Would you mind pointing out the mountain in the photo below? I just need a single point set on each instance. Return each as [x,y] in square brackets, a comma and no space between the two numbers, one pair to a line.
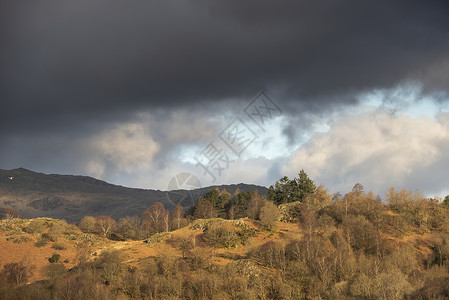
[71,197]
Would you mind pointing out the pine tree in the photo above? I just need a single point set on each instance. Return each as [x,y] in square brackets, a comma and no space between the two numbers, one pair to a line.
[446,201]
[286,190]
[306,185]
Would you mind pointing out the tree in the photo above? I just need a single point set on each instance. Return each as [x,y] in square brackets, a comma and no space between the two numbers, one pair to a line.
[9,213]
[177,216]
[154,218]
[306,185]
[17,272]
[54,273]
[231,212]
[204,209]
[87,224]
[104,225]
[213,196]
[358,189]
[224,203]
[111,265]
[269,214]
[446,201]
[255,206]
[296,189]
[166,221]
[240,203]
[129,228]
[284,191]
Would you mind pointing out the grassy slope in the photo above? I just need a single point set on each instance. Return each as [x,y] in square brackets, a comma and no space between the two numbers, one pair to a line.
[138,251]
[135,251]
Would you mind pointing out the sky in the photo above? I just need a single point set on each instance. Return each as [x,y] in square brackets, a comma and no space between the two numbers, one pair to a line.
[137,92]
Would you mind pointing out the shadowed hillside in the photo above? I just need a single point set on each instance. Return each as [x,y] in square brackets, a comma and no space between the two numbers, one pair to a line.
[72,197]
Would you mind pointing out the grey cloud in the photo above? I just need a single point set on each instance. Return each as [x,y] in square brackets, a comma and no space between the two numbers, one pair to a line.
[88,57]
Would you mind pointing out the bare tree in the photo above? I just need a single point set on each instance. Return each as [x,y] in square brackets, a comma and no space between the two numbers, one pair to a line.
[17,272]
[269,214]
[129,228]
[166,220]
[104,225]
[177,216]
[204,209]
[153,218]
[255,206]
[9,213]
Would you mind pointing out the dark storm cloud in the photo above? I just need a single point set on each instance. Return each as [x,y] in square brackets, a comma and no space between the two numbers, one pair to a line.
[63,62]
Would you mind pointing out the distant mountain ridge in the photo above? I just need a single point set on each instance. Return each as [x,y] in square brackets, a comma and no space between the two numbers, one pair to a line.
[71,197]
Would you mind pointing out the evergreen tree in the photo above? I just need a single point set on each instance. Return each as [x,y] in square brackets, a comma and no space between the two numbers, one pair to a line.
[223,204]
[306,185]
[286,190]
[240,204]
[446,201]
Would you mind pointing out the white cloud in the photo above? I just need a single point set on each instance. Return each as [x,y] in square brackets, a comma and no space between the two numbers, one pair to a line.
[379,150]
[124,147]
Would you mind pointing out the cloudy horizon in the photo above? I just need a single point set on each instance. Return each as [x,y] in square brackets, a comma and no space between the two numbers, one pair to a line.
[135,93]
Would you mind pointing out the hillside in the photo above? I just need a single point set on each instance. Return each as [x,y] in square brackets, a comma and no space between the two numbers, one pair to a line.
[283,263]
[69,197]
[18,245]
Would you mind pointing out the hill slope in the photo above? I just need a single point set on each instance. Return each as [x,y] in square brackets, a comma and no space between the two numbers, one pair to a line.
[70,197]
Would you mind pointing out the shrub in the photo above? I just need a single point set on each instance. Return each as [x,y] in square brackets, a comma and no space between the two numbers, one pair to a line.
[87,224]
[55,258]
[36,226]
[59,246]
[184,243]
[41,242]
[56,230]
[222,235]
[200,258]
[271,254]
[158,237]
[111,265]
[54,273]
[22,239]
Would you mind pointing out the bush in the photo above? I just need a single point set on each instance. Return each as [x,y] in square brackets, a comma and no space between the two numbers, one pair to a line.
[87,224]
[22,239]
[111,265]
[200,258]
[54,273]
[271,254]
[222,235]
[56,230]
[41,242]
[55,258]
[36,226]
[183,243]
[59,246]
[158,237]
